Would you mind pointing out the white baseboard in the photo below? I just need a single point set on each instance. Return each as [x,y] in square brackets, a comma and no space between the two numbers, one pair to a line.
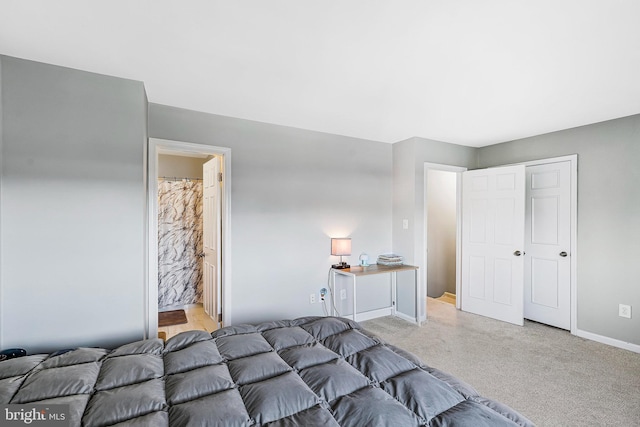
[609,341]
[388,311]
[368,315]
[403,316]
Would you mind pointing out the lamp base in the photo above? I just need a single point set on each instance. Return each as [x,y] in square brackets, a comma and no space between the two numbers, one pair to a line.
[341,266]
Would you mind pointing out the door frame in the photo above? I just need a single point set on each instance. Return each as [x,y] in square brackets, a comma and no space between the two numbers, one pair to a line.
[573,159]
[458,170]
[573,247]
[164,146]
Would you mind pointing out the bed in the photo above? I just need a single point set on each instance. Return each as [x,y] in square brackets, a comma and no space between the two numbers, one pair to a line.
[312,371]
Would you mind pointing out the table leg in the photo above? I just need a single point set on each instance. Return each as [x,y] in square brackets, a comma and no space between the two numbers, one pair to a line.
[417,297]
[354,298]
[332,285]
[394,292]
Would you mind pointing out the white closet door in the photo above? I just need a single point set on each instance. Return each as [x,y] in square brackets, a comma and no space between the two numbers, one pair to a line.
[493,203]
[547,280]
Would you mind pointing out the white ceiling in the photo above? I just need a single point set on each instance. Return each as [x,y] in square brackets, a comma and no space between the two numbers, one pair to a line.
[471,72]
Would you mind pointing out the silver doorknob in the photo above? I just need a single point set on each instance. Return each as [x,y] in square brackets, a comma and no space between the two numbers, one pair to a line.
[563,254]
[517,253]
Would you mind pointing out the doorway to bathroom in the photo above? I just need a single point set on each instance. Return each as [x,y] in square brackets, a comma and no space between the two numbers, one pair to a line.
[188,234]
[180,249]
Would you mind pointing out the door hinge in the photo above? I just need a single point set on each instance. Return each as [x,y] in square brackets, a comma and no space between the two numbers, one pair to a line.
[219,176]
[219,317]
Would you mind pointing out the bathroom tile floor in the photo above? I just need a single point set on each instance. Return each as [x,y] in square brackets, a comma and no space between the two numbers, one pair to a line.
[197,319]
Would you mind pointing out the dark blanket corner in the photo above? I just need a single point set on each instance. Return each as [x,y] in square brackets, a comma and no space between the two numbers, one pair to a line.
[322,371]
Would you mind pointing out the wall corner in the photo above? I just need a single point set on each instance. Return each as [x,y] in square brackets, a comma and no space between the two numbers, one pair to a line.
[1,204]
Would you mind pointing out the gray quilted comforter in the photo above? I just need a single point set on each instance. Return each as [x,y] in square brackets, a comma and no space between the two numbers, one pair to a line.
[313,371]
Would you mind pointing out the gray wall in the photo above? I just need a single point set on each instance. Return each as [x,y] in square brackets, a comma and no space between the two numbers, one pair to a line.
[72,207]
[409,157]
[608,216]
[291,190]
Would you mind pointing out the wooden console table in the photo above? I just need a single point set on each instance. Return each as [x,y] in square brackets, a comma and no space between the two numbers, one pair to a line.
[392,270]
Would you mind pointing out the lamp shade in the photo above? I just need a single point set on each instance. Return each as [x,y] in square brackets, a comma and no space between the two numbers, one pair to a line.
[341,246]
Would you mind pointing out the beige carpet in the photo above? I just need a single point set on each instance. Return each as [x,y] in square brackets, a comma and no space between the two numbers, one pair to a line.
[547,374]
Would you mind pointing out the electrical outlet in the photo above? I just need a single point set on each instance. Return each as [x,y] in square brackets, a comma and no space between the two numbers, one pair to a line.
[312,298]
[343,294]
[323,293]
[624,311]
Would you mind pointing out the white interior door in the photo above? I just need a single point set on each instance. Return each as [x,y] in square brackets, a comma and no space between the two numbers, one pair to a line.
[547,267]
[211,230]
[493,203]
